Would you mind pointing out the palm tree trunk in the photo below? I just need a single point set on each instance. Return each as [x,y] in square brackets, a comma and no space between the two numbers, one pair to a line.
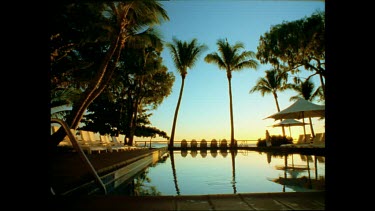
[323,85]
[278,110]
[311,127]
[232,144]
[134,118]
[91,93]
[170,145]
[95,88]
[97,85]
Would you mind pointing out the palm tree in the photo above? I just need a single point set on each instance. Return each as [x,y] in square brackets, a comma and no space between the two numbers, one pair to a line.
[305,89]
[274,81]
[231,59]
[184,55]
[128,18]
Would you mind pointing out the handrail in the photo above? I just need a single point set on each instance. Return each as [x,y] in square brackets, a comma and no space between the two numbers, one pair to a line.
[78,148]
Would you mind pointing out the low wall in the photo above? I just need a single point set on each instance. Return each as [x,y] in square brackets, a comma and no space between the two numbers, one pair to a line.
[120,175]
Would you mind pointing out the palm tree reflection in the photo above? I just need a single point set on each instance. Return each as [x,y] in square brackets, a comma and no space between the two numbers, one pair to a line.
[233,153]
[174,172]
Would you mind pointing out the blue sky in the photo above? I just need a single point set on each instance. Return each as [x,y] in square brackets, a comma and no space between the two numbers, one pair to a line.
[204,110]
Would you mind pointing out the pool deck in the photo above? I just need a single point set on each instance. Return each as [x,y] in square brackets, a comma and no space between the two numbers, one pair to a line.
[242,201]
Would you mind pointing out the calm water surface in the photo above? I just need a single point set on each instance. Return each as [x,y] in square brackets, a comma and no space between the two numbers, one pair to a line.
[225,172]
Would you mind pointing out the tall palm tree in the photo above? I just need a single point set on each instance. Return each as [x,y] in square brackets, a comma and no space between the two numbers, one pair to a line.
[184,55]
[231,59]
[127,18]
[274,81]
[305,89]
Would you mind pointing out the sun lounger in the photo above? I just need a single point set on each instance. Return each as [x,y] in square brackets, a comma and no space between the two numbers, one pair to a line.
[323,139]
[203,144]
[301,142]
[223,143]
[183,144]
[194,144]
[318,140]
[213,143]
[105,139]
[116,142]
[89,145]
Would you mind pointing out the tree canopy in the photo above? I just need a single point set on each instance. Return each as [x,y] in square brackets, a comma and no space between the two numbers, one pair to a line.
[296,44]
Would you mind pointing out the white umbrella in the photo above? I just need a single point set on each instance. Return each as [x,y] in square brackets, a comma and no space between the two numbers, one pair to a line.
[300,109]
[289,122]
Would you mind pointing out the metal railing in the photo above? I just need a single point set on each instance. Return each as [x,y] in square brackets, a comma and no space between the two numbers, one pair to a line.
[80,152]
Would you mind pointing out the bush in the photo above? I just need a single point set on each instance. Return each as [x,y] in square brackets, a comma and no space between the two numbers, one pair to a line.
[276,141]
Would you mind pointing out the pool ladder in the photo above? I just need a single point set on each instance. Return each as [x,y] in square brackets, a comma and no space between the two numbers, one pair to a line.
[78,148]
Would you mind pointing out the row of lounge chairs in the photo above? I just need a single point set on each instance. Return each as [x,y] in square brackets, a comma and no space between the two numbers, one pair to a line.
[308,141]
[203,143]
[89,142]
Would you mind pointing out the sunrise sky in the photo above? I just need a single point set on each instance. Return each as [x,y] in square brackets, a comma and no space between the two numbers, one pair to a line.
[204,111]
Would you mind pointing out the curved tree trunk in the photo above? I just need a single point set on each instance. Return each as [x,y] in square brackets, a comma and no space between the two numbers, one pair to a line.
[323,85]
[170,145]
[134,116]
[278,110]
[96,87]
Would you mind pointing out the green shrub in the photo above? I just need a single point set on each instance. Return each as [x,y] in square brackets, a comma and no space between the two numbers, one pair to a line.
[276,141]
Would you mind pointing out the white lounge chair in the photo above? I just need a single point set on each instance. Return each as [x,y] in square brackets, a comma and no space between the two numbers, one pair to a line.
[105,139]
[213,143]
[301,142]
[117,143]
[193,143]
[323,139]
[317,140]
[90,145]
[223,143]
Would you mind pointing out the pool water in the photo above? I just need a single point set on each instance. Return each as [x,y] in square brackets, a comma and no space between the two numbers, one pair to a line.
[226,172]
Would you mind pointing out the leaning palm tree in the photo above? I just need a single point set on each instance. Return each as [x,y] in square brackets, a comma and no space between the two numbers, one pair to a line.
[274,81]
[125,19]
[305,89]
[231,59]
[184,55]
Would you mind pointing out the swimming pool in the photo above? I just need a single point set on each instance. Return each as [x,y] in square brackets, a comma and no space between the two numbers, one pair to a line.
[227,172]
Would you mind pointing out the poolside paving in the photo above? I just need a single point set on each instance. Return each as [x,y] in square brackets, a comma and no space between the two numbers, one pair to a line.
[243,201]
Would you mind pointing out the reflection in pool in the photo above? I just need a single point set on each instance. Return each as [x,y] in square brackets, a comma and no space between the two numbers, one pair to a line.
[227,172]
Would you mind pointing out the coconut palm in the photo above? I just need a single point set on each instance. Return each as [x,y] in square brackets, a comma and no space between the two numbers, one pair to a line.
[231,59]
[274,81]
[184,55]
[305,89]
[128,18]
